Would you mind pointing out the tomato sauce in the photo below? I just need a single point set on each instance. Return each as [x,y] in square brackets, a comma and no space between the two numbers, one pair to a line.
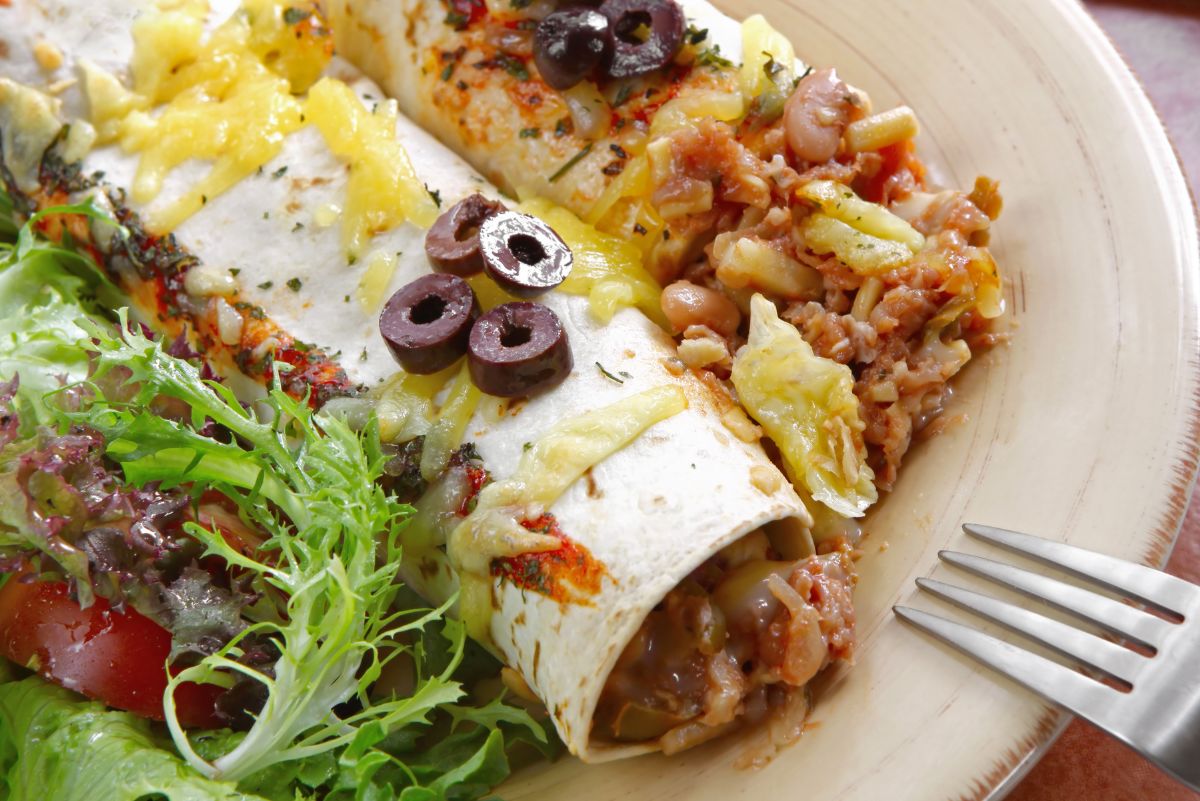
[569,574]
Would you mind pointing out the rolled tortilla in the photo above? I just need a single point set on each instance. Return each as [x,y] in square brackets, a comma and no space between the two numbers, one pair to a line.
[672,496]
[479,108]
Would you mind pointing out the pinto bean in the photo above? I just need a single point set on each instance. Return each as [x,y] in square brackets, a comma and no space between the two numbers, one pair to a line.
[686,304]
[816,116]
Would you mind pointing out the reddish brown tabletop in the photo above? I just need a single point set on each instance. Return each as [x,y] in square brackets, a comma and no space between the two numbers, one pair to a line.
[1161,41]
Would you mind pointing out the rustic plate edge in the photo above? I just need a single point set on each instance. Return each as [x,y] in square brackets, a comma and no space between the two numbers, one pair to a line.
[1006,775]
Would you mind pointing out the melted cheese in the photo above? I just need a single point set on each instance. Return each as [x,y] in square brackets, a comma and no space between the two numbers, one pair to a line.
[607,270]
[218,101]
[547,468]
[447,431]
[29,124]
[232,98]
[373,286]
[383,190]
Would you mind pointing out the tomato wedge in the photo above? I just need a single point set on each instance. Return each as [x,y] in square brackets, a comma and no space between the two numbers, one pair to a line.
[115,657]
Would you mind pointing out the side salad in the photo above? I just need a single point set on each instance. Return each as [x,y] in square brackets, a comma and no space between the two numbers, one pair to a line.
[238,564]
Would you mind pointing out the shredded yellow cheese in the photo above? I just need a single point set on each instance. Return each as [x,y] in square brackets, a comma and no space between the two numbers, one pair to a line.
[608,270]
[374,283]
[232,98]
[208,98]
[383,190]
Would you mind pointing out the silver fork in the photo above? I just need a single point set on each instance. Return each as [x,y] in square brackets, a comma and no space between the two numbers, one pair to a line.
[1151,699]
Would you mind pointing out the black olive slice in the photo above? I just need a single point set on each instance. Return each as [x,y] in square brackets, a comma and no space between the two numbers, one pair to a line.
[646,35]
[569,44]
[518,349]
[427,323]
[523,255]
[452,243]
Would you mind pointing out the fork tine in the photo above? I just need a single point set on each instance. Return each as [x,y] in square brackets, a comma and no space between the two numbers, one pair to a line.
[1048,679]
[1153,587]
[1121,619]
[1116,661]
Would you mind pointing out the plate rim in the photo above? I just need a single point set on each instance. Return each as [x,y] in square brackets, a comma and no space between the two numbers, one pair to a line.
[1164,538]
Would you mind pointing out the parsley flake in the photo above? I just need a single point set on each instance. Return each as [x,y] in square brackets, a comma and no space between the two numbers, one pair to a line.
[609,375]
[564,169]
[711,57]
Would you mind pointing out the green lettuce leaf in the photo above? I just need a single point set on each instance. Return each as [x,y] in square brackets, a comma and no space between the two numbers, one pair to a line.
[53,745]
[46,291]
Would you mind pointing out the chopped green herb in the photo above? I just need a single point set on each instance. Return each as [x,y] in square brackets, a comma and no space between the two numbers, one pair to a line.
[294,284]
[516,68]
[696,35]
[266,285]
[234,271]
[456,20]
[362,357]
[609,375]
[266,215]
[563,127]
[435,195]
[711,57]
[280,172]
[772,67]
[294,16]
[530,133]
[527,446]
[564,169]
[622,95]
[297,227]
[346,299]
[204,200]
[448,71]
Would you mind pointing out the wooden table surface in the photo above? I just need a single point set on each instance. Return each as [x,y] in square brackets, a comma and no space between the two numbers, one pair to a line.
[1161,42]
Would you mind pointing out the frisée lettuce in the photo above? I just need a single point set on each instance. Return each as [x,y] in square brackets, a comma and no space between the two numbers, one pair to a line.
[324,574]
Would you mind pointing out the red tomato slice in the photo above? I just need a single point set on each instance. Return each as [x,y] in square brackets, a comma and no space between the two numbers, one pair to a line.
[118,658]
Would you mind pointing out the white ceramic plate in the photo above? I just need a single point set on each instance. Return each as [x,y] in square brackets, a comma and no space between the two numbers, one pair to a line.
[1084,429]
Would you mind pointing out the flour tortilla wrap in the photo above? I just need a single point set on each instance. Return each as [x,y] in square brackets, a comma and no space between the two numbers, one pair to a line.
[648,514]
[404,46]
